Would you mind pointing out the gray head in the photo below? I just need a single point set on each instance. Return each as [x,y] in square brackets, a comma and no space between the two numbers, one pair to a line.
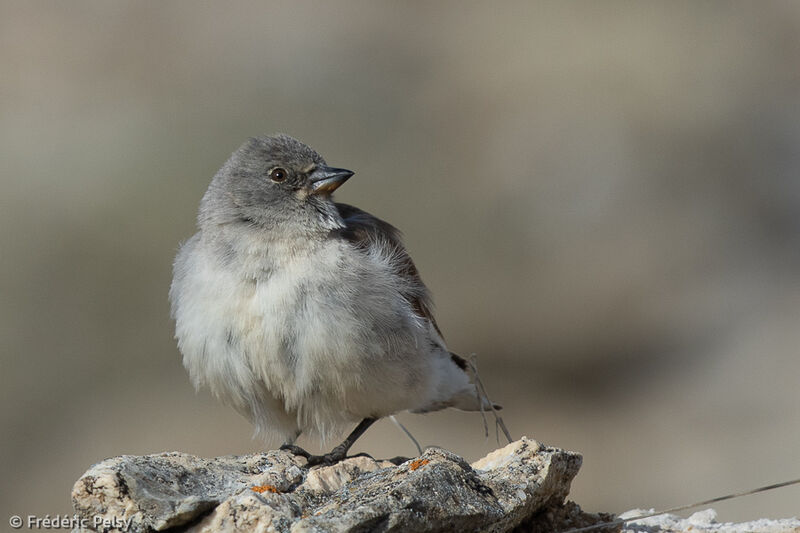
[274,182]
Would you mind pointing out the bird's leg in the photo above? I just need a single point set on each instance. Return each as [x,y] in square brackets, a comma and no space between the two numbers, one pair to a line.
[336,454]
[340,451]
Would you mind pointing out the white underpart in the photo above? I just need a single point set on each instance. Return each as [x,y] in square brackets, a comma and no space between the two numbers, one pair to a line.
[307,338]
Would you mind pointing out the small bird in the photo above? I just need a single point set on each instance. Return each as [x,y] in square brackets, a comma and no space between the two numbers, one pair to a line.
[304,314]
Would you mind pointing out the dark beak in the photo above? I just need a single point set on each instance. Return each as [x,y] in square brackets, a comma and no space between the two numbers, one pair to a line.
[325,180]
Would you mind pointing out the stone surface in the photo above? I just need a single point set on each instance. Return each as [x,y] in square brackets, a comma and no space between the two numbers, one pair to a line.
[437,491]
[704,521]
[155,492]
[520,487]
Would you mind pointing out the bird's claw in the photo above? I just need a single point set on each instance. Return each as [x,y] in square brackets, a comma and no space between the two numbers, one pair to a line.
[327,459]
[295,450]
[331,458]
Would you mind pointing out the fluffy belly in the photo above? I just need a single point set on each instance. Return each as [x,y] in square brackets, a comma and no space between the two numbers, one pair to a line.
[310,345]
[331,353]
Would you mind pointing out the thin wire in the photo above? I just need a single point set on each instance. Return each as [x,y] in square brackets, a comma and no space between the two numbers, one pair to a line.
[685,507]
[407,432]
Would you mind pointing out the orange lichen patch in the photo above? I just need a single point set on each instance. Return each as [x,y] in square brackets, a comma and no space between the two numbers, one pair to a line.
[416,463]
[261,489]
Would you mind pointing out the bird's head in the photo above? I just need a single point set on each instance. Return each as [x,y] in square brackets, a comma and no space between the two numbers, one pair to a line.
[274,182]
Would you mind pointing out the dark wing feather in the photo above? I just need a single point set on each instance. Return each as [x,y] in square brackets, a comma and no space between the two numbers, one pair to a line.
[363,229]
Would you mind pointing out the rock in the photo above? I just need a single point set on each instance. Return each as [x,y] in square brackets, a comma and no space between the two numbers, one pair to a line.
[327,479]
[437,491]
[704,521]
[155,492]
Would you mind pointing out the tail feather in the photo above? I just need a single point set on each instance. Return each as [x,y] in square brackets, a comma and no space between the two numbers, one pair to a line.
[481,398]
[475,399]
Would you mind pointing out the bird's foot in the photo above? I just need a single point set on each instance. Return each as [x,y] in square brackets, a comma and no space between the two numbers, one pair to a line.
[295,450]
[331,458]
[334,456]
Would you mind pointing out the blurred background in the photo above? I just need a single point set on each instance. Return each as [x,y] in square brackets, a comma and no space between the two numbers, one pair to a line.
[603,197]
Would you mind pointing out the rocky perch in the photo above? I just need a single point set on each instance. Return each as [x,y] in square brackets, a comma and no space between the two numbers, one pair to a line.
[520,484]
[521,488]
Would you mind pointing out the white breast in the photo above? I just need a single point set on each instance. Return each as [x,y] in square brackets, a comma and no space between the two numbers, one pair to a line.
[320,336]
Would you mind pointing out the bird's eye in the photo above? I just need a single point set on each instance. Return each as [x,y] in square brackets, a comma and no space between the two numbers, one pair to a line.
[277,174]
